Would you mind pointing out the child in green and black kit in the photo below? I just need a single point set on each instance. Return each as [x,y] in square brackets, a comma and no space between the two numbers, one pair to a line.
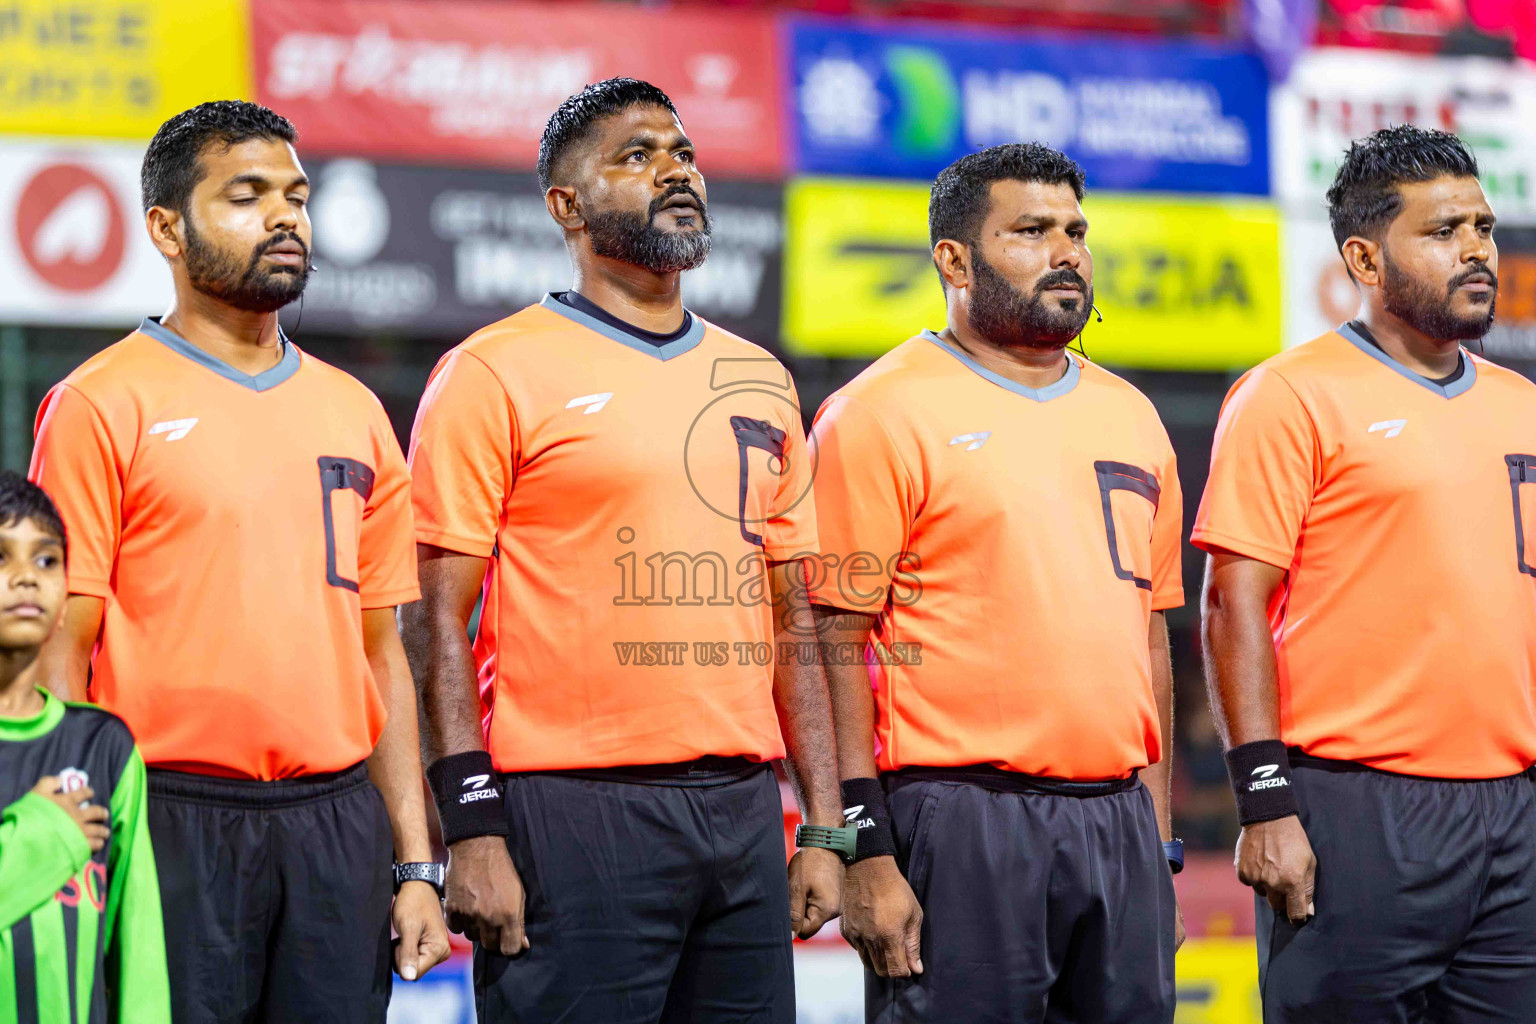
[81,940]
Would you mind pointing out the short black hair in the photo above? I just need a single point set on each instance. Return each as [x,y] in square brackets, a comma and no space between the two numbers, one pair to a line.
[1364,197]
[962,193]
[170,171]
[572,120]
[21,500]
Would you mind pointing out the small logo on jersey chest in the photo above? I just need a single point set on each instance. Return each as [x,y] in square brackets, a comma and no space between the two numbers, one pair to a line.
[593,403]
[1391,427]
[71,779]
[971,441]
[174,430]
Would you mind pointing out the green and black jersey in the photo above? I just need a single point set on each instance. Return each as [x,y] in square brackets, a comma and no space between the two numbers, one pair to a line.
[81,940]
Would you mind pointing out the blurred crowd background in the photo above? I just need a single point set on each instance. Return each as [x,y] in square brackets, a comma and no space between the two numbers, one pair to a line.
[1209,130]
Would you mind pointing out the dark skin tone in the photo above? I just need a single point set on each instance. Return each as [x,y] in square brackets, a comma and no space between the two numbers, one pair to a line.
[1274,857]
[634,157]
[32,590]
[247,194]
[1032,229]
[631,158]
[1445,226]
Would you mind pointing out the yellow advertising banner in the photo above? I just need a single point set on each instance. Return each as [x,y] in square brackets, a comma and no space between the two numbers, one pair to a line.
[1218,982]
[1183,284]
[117,68]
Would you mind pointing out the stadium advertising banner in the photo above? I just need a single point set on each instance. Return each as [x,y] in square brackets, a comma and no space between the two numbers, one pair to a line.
[1183,284]
[1320,295]
[1336,95]
[73,249]
[116,68]
[1137,114]
[439,252]
[463,82]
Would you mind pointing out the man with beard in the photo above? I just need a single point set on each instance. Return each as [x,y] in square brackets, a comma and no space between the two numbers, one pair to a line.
[630,486]
[240,530]
[1005,518]
[1370,620]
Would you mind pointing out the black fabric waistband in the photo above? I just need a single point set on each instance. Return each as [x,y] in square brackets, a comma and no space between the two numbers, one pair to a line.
[990,777]
[259,793]
[703,771]
[1301,759]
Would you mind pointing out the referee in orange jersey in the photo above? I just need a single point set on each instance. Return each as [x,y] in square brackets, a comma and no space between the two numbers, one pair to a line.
[1370,621]
[1000,520]
[628,486]
[240,533]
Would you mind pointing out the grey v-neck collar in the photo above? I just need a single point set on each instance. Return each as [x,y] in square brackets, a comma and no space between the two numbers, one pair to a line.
[671,350]
[286,367]
[1061,387]
[1456,387]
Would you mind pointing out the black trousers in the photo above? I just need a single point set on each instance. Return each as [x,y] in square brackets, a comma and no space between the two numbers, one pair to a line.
[1037,908]
[276,897]
[649,900]
[1426,902]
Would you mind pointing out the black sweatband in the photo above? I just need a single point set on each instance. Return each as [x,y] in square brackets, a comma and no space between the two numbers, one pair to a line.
[864,807]
[468,796]
[1261,781]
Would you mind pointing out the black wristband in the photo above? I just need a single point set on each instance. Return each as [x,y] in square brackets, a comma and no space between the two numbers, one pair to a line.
[864,807]
[468,796]
[1261,781]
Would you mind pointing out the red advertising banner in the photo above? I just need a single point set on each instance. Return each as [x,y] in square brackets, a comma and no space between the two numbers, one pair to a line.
[471,81]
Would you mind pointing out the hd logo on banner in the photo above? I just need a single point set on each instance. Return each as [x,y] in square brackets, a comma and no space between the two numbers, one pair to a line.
[903,102]
[117,68]
[1183,284]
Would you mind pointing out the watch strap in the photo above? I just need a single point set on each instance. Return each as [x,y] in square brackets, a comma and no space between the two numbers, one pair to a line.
[430,872]
[1173,850]
[844,840]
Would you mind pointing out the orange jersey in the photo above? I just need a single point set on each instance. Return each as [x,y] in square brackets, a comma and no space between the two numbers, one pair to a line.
[235,526]
[1014,543]
[1403,513]
[627,495]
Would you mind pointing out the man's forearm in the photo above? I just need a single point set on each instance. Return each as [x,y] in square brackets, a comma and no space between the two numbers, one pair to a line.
[801,698]
[844,635]
[395,765]
[443,668]
[1240,671]
[64,663]
[1159,777]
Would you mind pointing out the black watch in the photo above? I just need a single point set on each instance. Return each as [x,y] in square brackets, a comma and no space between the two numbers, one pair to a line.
[1173,849]
[430,872]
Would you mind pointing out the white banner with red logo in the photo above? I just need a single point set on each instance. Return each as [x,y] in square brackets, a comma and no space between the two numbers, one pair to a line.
[73,249]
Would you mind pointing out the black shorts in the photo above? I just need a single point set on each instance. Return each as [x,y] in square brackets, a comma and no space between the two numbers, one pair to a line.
[650,898]
[276,897]
[1425,908]
[1038,908]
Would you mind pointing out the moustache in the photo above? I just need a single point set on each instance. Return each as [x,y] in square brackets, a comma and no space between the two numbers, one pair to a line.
[669,194]
[1059,278]
[1475,270]
[276,240]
